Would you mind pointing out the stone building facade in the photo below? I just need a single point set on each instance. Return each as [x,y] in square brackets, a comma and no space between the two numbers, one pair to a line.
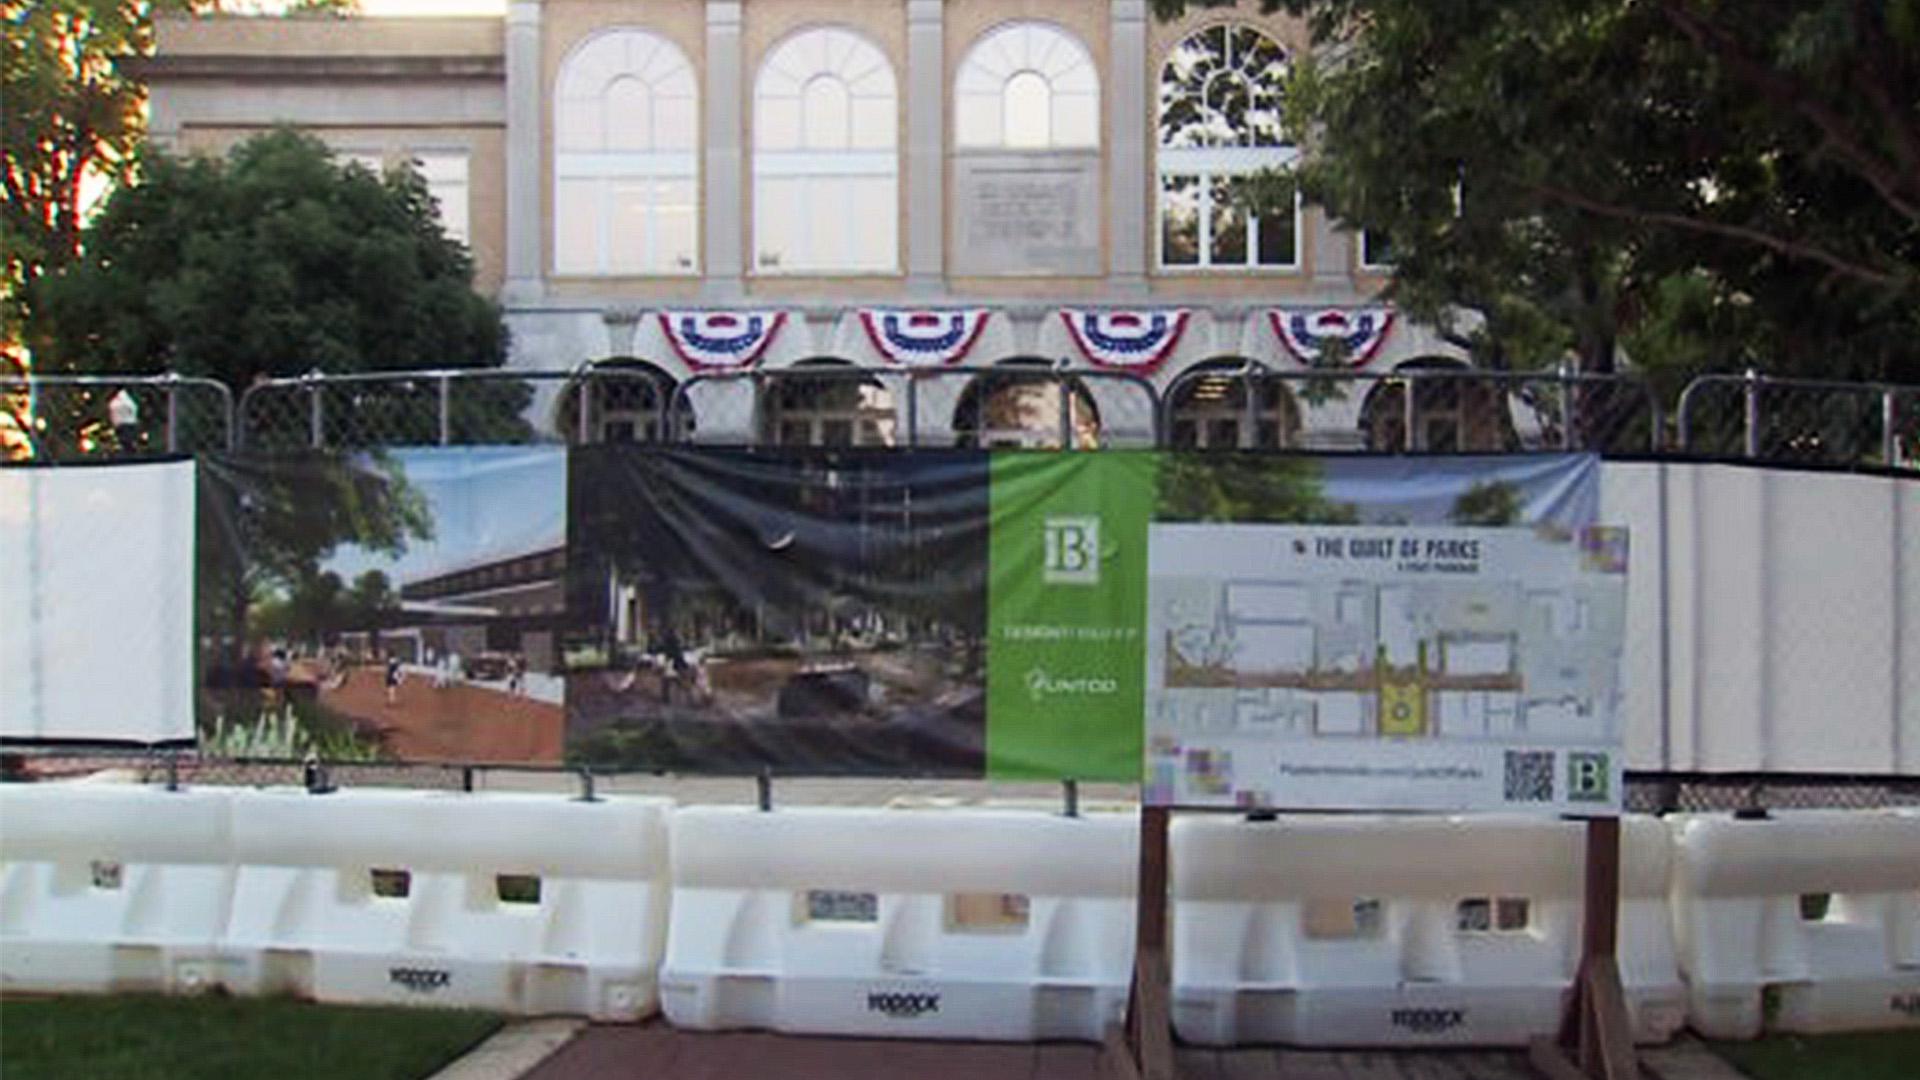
[700,188]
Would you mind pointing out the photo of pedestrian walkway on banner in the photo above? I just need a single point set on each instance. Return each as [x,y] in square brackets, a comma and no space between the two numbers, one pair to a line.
[807,611]
[404,604]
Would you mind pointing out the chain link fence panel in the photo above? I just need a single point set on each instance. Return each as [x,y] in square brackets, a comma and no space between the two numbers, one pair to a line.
[1800,421]
[454,408]
[826,402]
[56,418]
[1235,403]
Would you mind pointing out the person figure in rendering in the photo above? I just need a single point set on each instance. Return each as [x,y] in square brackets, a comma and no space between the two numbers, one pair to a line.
[516,674]
[393,679]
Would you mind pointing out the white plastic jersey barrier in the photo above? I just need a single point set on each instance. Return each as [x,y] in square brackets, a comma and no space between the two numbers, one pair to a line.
[1365,931]
[110,888]
[1804,922]
[520,903]
[964,924]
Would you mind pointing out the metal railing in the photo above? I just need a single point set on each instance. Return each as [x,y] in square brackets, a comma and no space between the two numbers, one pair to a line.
[90,417]
[1417,410]
[1759,418]
[1228,402]
[1023,401]
[455,407]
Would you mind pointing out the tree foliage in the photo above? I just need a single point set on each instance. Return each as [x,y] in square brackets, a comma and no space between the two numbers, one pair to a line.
[66,114]
[272,262]
[1712,183]
[71,118]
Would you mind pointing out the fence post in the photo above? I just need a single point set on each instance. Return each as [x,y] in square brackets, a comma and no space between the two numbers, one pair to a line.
[1753,414]
[913,409]
[1409,415]
[446,411]
[1066,404]
[173,413]
[316,423]
[1567,441]
[1249,409]
[583,409]
[1889,425]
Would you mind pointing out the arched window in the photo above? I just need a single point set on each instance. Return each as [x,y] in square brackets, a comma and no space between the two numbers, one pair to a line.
[1027,86]
[825,163]
[1211,411]
[626,135]
[1220,103]
[1021,407]
[1450,415]
[833,405]
[627,401]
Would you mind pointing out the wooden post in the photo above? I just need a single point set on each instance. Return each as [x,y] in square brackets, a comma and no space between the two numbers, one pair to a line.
[1145,1050]
[1596,1038]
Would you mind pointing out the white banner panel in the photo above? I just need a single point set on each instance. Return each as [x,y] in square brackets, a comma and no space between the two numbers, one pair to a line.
[97,639]
[1385,668]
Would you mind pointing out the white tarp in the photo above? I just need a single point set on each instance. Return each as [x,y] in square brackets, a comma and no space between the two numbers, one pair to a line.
[1415,667]
[96,578]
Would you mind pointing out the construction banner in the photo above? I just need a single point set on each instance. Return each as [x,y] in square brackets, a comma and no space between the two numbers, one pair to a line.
[804,611]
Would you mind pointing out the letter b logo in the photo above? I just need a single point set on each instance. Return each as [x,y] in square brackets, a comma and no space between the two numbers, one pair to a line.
[1587,777]
[1072,551]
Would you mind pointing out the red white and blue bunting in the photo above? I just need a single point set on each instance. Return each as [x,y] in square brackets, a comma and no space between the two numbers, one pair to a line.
[1305,331]
[1137,341]
[923,338]
[721,340]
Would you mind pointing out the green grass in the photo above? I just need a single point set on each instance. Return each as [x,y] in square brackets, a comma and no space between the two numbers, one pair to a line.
[1867,1055]
[136,1037]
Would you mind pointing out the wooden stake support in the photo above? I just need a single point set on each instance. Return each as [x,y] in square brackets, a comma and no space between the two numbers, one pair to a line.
[1596,1037]
[1595,1040]
[1144,1051]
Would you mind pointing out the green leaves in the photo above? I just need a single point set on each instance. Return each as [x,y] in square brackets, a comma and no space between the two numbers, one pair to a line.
[272,262]
[1718,182]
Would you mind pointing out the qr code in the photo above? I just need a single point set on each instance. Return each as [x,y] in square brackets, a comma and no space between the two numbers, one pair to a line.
[1529,776]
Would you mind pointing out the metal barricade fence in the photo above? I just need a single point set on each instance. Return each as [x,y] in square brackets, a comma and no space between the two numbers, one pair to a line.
[453,408]
[1235,402]
[1023,402]
[59,417]
[1759,418]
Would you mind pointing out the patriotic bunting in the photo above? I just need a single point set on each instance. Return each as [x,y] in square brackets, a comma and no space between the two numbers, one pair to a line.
[1137,341]
[721,340]
[923,338]
[1305,331]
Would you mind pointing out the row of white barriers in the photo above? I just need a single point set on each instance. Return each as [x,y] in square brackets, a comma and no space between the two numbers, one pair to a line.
[521,903]
[969,923]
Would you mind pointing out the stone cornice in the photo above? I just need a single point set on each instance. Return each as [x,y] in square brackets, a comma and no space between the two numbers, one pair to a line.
[307,68]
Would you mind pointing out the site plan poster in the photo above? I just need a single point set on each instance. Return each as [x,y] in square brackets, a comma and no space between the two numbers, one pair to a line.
[1385,667]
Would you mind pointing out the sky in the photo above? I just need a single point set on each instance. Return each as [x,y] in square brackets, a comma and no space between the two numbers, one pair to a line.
[485,501]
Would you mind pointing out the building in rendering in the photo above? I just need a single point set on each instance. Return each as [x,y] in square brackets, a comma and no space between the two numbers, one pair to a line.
[699,188]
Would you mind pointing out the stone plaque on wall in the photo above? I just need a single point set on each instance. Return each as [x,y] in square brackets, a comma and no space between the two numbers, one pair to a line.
[1033,213]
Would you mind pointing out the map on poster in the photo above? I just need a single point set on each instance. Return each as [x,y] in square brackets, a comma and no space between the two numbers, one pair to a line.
[1385,668]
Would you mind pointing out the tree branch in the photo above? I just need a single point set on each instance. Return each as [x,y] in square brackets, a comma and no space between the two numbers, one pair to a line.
[1780,245]
[1792,94]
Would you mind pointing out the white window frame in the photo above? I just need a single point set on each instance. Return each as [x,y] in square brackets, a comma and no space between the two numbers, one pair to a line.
[859,59]
[991,60]
[1210,164]
[605,169]
[460,230]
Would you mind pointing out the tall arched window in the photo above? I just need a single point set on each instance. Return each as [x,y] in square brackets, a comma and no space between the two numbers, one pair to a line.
[626,135]
[825,163]
[1220,102]
[1027,86]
